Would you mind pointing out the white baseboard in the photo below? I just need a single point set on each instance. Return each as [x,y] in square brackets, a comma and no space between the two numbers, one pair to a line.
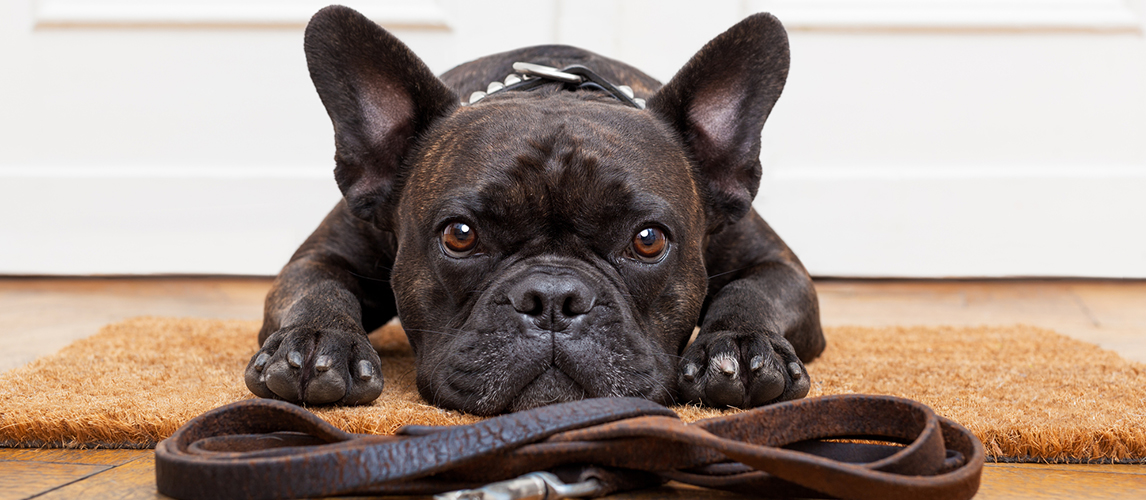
[841,222]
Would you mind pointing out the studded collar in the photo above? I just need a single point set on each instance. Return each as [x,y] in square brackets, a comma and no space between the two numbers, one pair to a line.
[528,76]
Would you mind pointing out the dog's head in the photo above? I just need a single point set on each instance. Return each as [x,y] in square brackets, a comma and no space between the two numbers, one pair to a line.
[550,243]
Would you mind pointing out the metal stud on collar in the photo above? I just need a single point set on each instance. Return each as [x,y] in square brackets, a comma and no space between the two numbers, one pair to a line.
[529,75]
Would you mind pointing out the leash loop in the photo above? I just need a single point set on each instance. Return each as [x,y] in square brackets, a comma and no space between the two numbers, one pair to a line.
[266,449]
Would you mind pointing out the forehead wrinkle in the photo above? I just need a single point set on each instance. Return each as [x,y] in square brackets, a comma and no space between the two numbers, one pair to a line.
[546,169]
[553,182]
[450,159]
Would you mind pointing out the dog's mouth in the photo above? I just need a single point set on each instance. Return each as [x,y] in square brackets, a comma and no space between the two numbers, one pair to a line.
[515,367]
[552,386]
[546,334]
[501,371]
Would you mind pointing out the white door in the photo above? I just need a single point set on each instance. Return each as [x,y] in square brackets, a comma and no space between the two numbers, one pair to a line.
[914,138]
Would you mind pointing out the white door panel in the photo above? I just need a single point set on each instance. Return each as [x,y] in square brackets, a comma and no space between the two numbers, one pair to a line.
[914,138]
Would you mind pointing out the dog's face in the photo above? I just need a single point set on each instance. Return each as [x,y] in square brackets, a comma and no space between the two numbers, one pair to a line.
[549,250]
[550,245]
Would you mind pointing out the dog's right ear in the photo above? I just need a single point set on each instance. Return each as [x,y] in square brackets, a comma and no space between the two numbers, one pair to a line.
[718,102]
[379,95]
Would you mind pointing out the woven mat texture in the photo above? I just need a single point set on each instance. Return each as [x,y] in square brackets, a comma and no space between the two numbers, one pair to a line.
[1029,394]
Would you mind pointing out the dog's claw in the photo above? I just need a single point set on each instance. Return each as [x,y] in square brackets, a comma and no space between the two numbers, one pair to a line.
[295,359]
[365,370]
[726,365]
[261,362]
[323,363]
[795,370]
[757,363]
[689,372]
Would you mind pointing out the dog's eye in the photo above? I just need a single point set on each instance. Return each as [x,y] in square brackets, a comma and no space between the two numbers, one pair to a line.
[459,239]
[649,244]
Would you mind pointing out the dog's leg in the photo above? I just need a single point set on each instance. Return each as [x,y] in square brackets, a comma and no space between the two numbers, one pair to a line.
[313,341]
[760,316]
[760,324]
[336,288]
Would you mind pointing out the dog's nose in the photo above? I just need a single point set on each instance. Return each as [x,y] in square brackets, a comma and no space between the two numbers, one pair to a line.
[552,297]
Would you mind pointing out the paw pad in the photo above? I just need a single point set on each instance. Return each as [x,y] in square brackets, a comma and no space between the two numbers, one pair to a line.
[774,372]
[301,366]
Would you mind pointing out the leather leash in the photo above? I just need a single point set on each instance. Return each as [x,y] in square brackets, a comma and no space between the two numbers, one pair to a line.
[266,449]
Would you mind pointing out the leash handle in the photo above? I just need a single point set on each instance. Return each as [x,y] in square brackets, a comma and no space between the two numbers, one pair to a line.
[268,449]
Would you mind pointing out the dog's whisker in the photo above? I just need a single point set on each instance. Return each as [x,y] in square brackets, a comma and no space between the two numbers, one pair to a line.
[368,278]
[728,272]
[655,384]
[439,332]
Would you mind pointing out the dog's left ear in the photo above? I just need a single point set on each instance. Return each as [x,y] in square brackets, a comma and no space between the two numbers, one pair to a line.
[719,101]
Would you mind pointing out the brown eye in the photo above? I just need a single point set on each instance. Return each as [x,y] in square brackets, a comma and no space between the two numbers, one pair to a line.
[649,244]
[458,239]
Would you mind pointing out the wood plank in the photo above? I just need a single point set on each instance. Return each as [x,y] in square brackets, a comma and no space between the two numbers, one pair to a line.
[40,316]
[19,480]
[136,480]
[1102,312]
[65,456]
[1139,469]
[130,481]
[1006,482]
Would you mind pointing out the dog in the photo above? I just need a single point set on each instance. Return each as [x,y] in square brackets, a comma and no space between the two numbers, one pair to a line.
[546,244]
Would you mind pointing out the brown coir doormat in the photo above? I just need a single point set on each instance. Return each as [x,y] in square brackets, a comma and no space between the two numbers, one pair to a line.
[1029,394]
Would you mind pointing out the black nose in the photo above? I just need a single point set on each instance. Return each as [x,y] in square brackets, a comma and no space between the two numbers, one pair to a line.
[551,298]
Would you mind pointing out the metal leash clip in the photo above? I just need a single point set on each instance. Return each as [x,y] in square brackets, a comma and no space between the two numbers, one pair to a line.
[532,486]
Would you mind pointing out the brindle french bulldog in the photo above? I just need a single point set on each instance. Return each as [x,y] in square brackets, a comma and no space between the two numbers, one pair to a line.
[543,245]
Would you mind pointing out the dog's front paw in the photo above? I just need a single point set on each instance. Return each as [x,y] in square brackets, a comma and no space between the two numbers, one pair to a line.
[304,365]
[741,370]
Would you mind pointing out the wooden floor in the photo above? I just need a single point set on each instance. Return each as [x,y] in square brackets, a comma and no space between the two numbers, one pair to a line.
[38,316]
